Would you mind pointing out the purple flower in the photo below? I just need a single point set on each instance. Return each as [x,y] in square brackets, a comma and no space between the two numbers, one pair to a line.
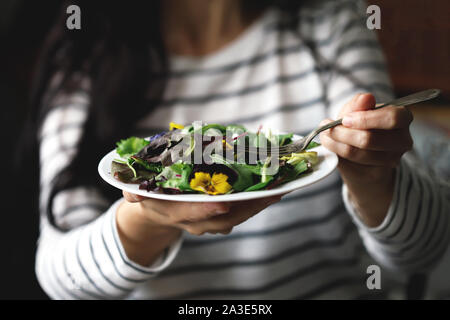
[156,136]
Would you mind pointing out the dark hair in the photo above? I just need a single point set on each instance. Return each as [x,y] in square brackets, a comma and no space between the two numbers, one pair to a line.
[120,52]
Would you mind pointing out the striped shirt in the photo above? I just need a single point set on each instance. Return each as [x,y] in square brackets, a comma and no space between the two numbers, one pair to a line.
[311,245]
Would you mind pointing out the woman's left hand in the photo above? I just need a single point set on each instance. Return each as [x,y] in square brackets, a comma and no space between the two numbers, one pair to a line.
[369,144]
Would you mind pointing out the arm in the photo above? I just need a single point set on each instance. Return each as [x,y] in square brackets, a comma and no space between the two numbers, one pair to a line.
[143,220]
[401,213]
[415,232]
[370,148]
[136,233]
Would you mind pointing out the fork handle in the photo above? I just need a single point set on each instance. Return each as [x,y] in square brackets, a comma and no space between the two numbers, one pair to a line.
[404,101]
[412,98]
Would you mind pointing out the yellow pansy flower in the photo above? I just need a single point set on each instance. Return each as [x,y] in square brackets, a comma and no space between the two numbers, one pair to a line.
[217,184]
[220,183]
[174,125]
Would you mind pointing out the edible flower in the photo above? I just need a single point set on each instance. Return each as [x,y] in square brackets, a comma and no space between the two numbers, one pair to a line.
[226,145]
[215,184]
[174,125]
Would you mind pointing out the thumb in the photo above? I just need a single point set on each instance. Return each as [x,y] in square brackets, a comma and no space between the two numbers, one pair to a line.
[360,102]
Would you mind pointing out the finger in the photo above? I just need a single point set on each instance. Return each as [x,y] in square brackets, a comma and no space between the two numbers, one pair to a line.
[377,140]
[197,212]
[187,211]
[131,197]
[241,211]
[360,102]
[361,156]
[257,202]
[224,231]
[387,118]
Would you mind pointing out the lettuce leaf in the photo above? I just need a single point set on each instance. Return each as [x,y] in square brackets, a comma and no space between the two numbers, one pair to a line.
[155,167]
[312,144]
[244,172]
[244,177]
[175,176]
[260,185]
[284,139]
[123,172]
[129,147]
[295,158]
[291,172]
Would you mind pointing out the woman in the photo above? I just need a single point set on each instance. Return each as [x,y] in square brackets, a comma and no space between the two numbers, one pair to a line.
[130,71]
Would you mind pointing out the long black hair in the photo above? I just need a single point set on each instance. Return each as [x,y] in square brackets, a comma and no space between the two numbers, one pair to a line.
[122,53]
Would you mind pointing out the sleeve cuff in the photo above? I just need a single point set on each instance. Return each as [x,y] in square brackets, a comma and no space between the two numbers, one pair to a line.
[161,263]
[415,231]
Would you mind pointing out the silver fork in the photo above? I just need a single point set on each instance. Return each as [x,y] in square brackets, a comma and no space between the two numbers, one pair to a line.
[302,143]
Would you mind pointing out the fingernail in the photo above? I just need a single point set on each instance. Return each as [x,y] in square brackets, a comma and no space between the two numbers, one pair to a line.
[217,210]
[360,98]
[220,211]
[347,121]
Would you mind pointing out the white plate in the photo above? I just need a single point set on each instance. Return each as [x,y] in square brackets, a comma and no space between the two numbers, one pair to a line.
[327,163]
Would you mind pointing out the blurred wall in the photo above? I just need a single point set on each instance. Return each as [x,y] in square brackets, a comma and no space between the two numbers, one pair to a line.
[415,36]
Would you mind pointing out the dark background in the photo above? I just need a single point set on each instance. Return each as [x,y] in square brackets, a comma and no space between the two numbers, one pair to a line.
[415,35]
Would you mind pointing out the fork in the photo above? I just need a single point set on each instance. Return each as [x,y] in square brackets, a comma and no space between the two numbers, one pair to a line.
[301,144]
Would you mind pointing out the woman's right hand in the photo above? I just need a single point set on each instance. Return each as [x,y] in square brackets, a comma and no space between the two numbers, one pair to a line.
[147,226]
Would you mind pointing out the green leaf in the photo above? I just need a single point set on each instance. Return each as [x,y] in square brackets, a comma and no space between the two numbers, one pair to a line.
[128,147]
[216,126]
[244,177]
[291,172]
[300,167]
[309,156]
[244,172]
[284,139]
[175,176]
[265,174]
[130,165]
[155,167]
[312,144]
[254,168]
[260,185]
[122,172]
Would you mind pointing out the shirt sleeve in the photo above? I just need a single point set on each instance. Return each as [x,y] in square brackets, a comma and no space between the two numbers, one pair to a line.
[350,56]
[416,230]
[87,261]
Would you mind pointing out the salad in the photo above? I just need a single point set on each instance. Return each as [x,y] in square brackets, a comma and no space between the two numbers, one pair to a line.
[205,159]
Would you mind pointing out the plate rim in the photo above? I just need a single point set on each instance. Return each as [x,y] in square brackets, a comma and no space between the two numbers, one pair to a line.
[238,196]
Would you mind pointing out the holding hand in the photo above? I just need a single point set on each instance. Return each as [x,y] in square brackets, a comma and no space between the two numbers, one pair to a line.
[369,144]
[147,226]
[198,218]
